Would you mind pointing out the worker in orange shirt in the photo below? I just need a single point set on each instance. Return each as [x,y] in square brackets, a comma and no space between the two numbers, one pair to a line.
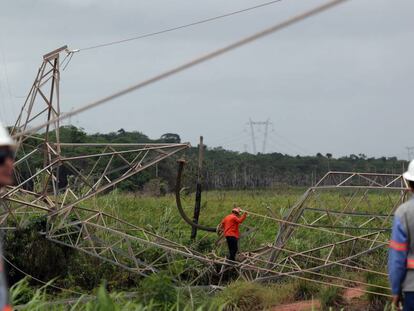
[230,227]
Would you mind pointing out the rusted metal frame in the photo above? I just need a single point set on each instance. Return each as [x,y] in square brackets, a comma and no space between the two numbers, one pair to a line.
[323,179]
[144,146]
[116,181]
[365,176]
[32,96]
[364,236]
[57,110]
[200,275]
[314,269]
[153,263]
[146,233]
[285,230]
[190,254]
[45,78]
[367,222]
[400,200]
[317,219]
[54,53]
[354,214]
[120,156]
[356,187]
[98,182]
[133,161]
[19,117]
[327,260]
[394,181]
[346,180]
[123,237]
[46,182]
[95,165]
[110,153]
[319,200]
[100,257]
[77,172]
[28,179]
[355,193]
[137,165]
[25,157]
[375,240]
[37,115]
[88,238]
[372,181]
[363,198]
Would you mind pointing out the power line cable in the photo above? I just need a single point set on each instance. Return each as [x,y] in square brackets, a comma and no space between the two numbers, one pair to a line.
[289,142]
[38,280]
[277,140]
[203,21]
[197,61]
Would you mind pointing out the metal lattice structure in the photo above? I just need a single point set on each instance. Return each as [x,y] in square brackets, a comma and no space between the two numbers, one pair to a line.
[339,229]
[54,180]
[339,225]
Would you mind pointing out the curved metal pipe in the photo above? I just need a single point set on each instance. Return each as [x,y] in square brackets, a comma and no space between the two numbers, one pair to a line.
[179,205]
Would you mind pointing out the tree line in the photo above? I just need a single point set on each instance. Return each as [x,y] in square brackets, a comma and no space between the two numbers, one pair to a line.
[226,169]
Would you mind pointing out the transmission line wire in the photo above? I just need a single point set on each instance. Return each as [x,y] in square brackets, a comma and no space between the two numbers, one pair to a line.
[38,280]
[203,21]
[197,61]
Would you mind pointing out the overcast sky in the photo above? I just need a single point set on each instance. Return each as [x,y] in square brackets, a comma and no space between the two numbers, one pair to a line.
[341,82]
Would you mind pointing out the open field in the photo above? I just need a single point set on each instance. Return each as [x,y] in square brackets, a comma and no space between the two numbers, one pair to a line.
[76,271]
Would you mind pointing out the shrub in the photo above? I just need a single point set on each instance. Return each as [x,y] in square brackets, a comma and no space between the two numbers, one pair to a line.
[34,254]
[158,288]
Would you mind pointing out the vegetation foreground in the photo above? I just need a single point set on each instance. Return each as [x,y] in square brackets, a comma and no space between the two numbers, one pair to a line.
[96,285]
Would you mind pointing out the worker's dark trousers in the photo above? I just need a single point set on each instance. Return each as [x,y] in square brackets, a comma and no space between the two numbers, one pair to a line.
[408,301]
[232,243]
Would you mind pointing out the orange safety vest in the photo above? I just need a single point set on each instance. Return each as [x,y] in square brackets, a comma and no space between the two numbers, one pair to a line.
[231,224]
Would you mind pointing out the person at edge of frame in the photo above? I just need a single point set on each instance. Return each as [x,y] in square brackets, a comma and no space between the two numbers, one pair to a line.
[401,250]
[7,148]
[230,227]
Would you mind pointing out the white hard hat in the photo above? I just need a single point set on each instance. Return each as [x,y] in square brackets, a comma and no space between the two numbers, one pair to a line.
[5,139]
[409,174]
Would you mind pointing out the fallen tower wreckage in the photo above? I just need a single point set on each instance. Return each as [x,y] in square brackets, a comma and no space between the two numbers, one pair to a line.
[340,226]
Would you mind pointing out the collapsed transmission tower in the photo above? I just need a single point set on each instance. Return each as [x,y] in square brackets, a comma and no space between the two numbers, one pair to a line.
[55,178]
[341,224]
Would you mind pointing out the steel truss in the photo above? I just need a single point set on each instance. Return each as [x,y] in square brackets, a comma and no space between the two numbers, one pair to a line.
[332,230]
[341,226]
[58,184]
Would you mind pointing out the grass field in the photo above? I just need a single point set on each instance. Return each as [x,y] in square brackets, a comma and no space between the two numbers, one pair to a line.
[159,214]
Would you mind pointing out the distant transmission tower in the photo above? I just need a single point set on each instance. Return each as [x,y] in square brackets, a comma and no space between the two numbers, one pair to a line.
[259,124]
[410,153]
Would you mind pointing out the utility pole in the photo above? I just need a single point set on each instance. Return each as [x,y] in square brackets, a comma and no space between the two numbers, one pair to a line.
[197,205]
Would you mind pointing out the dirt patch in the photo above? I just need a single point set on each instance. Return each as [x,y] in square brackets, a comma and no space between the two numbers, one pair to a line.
[349,295]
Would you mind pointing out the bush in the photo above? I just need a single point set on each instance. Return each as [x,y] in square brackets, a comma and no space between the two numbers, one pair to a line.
[34,254]
[158,288]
